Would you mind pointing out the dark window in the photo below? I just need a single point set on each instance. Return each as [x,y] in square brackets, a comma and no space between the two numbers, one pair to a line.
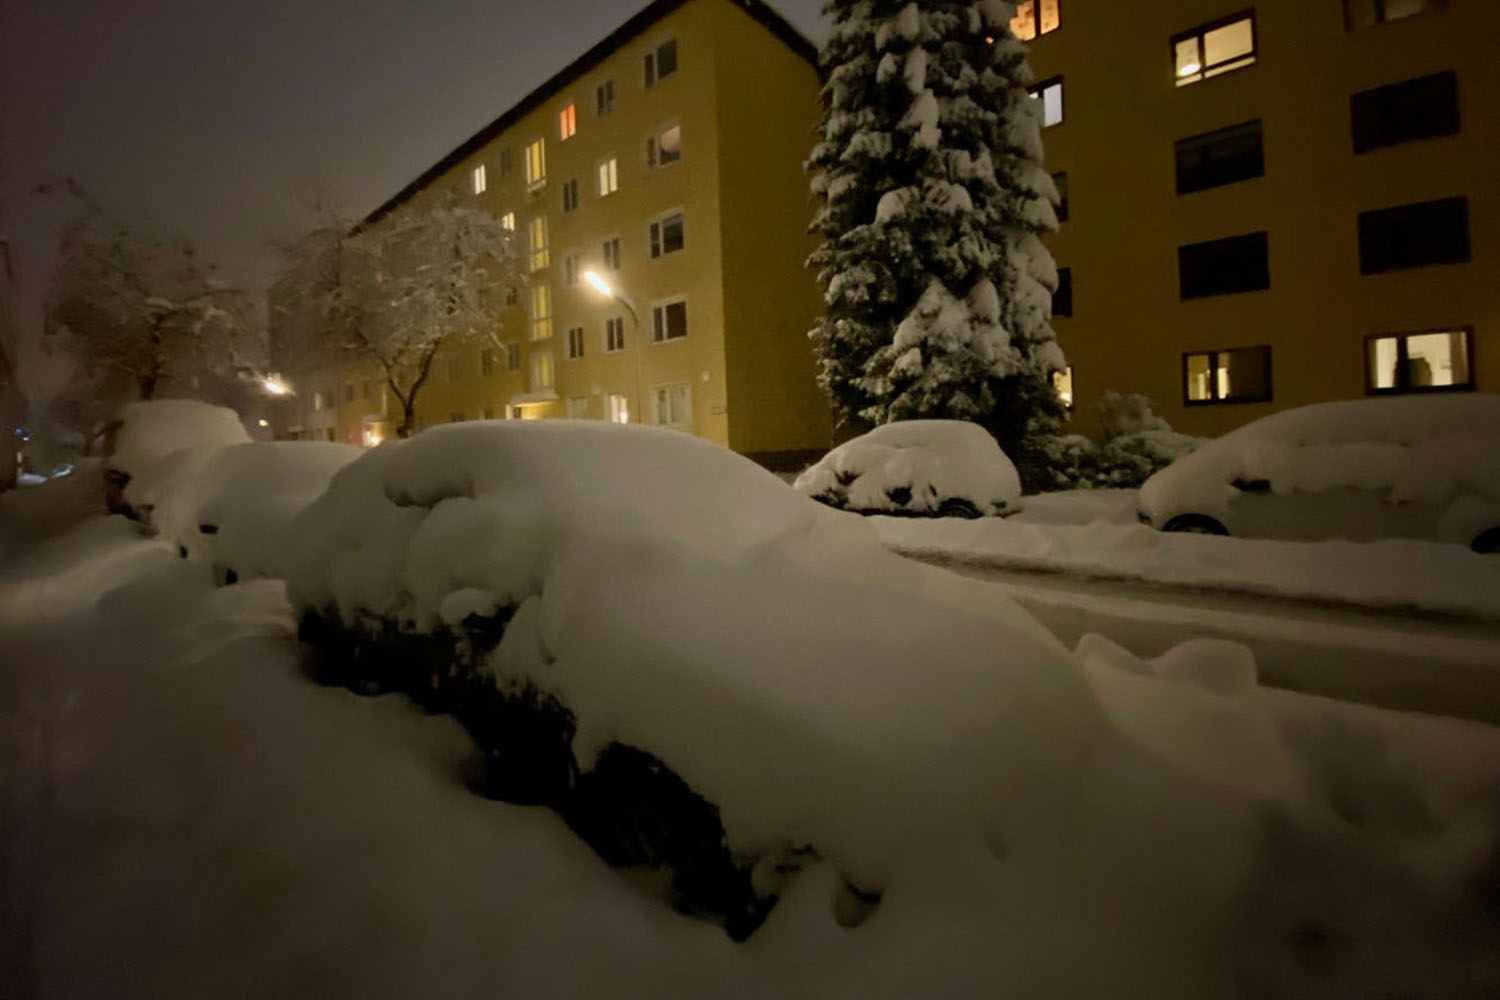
[612,253]
[513,357]
[570,196]
[1221,267]
[669,322]
[666,236]
[505,162]
[1432,232]
[1217,158]
[1365,13]
[1430,361]
[1062,299]
[661,62]
[1423,108]
[1061,180]
[1238,375]
[1215,48]
[604,98]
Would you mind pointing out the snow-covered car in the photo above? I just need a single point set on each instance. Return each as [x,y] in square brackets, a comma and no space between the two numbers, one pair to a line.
[232,513]
[1424,467]
[917,468]
[158,444]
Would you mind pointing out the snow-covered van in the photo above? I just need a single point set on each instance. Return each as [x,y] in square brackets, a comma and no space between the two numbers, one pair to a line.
[1425,467]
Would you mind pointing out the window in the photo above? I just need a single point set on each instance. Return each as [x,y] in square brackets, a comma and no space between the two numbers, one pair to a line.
[614,334]
[661,62]
[348,392]
[486,362]
[1424,108]
[1063,382]
[1366,13]
[539,255]
[578,407]
[1060,181]
[669,321]
[607,176]
[666,235]
[505,162]
[512,357]
[575,343]
[664,146]
[489,413]
[617,408]
[1214,159]
[330,433]
[1433,232]
[570,196]
[1035,17]
[541,370]
[671,406]
[480,183]
[320,402]
[512,297]
[567,123]
[1214,49]
[611,253]
[1049,93]
[604,98]
[572,268]
[536,163]
[455,369]
[1431,361]
[1062,299]
[1241,375]
[541,312]
[508,221]
[456,417]
[1222,267]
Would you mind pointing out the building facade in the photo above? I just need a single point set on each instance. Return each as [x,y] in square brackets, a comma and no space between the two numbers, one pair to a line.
[1274,205]
[656,189]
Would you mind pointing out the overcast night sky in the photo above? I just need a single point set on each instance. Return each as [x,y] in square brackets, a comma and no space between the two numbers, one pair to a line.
[224,121]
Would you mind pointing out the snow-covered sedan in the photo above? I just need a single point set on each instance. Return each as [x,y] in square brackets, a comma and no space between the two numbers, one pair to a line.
[1424,467]
[158,444]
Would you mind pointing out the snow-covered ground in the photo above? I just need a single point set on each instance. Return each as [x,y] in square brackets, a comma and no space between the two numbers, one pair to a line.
[1094,534]
[185,815]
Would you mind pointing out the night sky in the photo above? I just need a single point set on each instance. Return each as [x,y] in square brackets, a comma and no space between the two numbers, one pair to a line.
[225,120]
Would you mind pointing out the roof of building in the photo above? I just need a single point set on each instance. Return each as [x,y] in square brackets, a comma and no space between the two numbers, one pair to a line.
[640,23]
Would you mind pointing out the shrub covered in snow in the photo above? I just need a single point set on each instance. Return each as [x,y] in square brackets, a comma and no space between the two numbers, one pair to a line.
[1137,443]
[917,468]
[160,443]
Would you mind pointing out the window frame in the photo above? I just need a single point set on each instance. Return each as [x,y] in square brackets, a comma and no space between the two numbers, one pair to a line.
[613,163]
[571,197]
[660,306]
[1202,140]
[1214,382]
[651,146]
[1182,291]
[479,180]
[656,223]
[536,356]
[538,254]
[610,412]
[1038,93]
[573,341]
[604,98]
[1203,75]
[567,121]
[606,244]
[1065,373]
[1378,7]
[540,322]
[1064,281]
[1401,337]
[1036,21]
[652,64]
[1361,230]
[1374,144]
[687,404]
[539,181]
[609,322]
[1061,207]
[513,356]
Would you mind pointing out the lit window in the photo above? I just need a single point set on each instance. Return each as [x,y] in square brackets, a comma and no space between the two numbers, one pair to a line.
[575,343]
[1035,17]
[567,122]
[542,373]
[614,334]
[664,146]
[1049,93]
[1419,362]
[1214,49]
[669,321]
[512,357]
[536,163]
[479,180]
[320,402]
[508,221]
[455,369]
[570,196]
[672,406]
[607,176]
[661,62]
[1365,13]
[540,258]
[666,235]
[604,98]
[541,312]
[1063,382]
[611,252]
[619,408]
[578,407]
[1241,375]
[486,362]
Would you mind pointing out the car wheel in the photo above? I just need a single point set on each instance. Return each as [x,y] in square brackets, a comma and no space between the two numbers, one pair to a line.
[1488,542]
[1195,524]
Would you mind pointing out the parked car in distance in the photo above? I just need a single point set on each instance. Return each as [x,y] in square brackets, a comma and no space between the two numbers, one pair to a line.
[1423,467]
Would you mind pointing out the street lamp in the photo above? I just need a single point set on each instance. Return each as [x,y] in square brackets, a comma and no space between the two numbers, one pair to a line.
[600,284]
[275,386]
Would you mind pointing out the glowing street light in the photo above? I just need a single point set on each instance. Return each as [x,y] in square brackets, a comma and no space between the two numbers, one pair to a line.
[597,283]
[275,386]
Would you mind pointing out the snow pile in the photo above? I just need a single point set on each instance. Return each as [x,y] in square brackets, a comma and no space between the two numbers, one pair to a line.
[930,468]
[162,442]
[1410,449]
[1136,443]
[234,511]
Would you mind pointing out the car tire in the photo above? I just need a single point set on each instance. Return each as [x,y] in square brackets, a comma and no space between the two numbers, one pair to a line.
[1488,542]
[1195,524]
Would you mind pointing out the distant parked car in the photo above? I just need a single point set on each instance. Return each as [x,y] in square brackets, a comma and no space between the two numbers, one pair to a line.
[1424,467]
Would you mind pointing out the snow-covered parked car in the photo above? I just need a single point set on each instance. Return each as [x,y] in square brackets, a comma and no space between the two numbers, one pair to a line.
[1425,467]
[917,468]
[233,512]
[160,443]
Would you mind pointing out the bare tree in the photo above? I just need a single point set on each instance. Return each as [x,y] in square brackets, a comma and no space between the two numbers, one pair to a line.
[395,290]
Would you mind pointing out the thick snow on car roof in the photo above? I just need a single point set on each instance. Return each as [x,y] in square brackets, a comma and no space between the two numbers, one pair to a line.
[1413,448]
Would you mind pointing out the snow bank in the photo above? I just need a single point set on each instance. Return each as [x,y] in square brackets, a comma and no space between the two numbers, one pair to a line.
[162,442]
[933,468]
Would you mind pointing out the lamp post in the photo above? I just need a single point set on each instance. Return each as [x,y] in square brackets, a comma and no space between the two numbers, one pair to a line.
[600,284]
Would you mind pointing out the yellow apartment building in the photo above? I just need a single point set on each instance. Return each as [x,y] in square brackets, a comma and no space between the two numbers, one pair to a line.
[1274,205]
[666,161]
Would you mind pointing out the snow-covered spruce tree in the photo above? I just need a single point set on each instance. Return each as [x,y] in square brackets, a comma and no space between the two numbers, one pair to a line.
[933,196]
